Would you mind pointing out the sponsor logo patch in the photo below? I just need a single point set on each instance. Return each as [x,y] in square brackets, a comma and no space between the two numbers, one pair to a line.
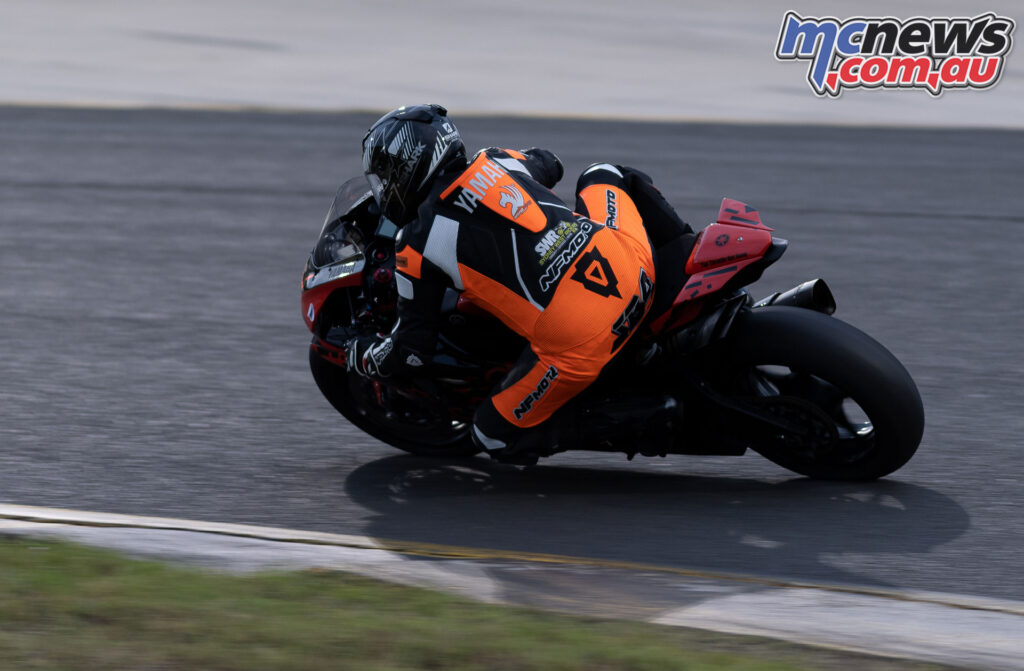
[634,312]
[542,387]
[565,257]
[474,189]
[554,239]
[595,273]
[512,198]
[612,208]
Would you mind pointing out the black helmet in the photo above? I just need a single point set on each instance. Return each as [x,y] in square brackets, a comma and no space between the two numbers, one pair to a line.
[404,151]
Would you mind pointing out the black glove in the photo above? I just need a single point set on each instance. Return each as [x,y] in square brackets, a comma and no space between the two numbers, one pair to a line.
[553,170]
[366,353]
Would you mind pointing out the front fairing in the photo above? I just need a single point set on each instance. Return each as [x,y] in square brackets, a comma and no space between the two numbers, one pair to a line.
[339,256]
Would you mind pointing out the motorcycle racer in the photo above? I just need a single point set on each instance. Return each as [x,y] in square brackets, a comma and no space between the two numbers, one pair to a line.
[574,282]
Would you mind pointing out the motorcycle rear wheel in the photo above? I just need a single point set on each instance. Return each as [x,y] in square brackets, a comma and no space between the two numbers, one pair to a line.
[792,358]
[417,434]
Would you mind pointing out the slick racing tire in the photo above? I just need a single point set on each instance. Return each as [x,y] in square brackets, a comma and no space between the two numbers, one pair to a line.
[861,409]
[418,433]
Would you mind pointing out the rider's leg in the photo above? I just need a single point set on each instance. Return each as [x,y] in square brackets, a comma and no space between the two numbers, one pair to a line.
[517,420]
[620,195]
[598,194]
[598,304]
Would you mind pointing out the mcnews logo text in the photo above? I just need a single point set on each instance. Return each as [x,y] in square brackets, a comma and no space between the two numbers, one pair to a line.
[934,54]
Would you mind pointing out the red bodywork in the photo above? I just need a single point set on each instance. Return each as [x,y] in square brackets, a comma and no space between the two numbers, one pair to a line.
[736,240]
[313,299]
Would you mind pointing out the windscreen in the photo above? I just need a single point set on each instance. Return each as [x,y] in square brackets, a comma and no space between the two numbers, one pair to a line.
[338,242]
[350,195]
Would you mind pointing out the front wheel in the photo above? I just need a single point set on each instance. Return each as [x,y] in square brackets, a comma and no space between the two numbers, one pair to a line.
[406,423]
[860,410]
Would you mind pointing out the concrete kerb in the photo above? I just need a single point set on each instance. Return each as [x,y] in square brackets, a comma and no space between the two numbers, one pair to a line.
[939,627]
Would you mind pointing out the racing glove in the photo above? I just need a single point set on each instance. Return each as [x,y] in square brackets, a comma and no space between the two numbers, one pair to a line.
[544,165]
[367,354]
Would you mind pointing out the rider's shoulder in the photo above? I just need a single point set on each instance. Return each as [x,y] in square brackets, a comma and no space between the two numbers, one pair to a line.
[500,152]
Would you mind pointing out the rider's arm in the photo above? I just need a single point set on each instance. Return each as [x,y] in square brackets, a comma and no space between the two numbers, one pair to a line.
[541,164]
[544,166]
[420,293]
[421,287]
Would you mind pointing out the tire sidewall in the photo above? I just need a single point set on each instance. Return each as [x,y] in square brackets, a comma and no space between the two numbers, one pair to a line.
[848,358]
[333,383]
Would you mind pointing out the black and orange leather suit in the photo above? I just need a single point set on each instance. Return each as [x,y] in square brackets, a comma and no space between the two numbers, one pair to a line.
[574,282]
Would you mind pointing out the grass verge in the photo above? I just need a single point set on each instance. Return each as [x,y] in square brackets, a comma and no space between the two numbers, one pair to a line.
[64,606]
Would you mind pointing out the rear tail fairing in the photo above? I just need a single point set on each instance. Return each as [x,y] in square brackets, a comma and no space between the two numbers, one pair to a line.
[727,255]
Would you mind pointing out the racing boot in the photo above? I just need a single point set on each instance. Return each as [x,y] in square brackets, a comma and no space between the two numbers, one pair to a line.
[523,447]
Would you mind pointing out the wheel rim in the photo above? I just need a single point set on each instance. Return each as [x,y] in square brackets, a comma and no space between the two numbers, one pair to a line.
[854,433]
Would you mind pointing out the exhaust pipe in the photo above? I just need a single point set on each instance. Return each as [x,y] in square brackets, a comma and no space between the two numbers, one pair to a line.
[812,295]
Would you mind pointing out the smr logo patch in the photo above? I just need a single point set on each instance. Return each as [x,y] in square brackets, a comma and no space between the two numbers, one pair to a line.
[595,273]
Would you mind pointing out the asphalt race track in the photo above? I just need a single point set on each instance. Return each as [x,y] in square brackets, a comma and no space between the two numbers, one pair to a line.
[154,358]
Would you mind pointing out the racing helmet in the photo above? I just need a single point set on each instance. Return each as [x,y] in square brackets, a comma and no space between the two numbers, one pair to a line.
[402,154]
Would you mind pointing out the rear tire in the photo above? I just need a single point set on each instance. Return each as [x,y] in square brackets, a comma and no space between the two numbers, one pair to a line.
[830,364]
[437,438]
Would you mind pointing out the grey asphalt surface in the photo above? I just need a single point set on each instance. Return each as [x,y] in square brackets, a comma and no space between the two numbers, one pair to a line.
[154,358]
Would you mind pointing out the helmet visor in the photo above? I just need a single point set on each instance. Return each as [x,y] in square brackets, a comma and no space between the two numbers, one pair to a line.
[376,187]
[388,199]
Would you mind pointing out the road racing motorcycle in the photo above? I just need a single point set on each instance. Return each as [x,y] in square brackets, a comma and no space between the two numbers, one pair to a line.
[709,371]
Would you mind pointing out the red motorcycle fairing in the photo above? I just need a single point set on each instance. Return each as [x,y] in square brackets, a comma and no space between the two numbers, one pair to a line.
[739,213]
[721,251]
[738,239]
[316,287]
[337,261]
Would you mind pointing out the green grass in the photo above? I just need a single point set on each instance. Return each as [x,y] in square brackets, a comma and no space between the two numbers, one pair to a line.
[68,607]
